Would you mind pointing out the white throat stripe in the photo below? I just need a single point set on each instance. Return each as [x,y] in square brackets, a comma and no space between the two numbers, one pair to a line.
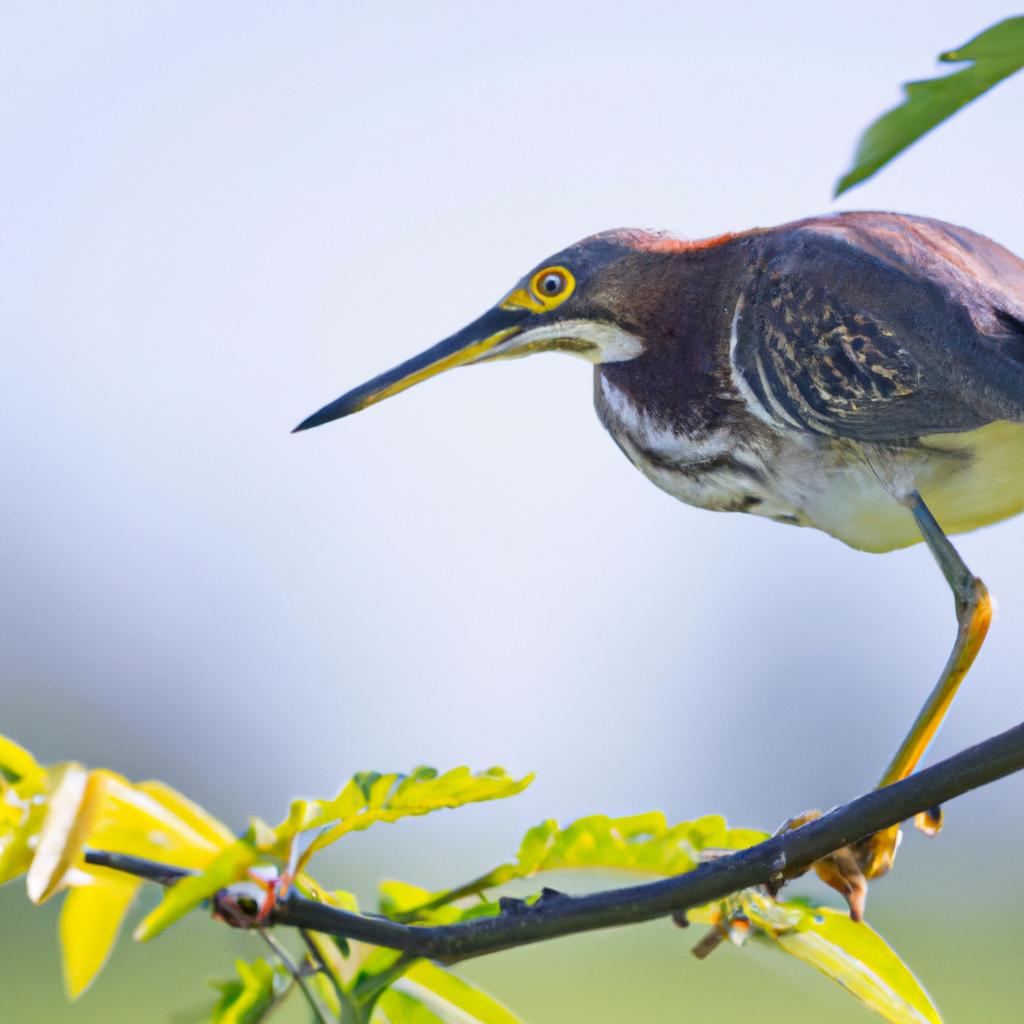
[613,343]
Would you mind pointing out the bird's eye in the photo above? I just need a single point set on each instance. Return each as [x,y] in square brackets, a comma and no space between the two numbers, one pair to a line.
[551,283]
[545,290]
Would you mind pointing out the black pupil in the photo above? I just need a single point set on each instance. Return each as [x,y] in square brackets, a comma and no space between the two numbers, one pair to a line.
[552,284]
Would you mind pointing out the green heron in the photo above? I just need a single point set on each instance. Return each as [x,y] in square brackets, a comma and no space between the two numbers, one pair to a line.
[861,373]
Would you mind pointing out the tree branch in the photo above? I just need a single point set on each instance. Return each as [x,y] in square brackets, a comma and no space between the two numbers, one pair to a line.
[557,915]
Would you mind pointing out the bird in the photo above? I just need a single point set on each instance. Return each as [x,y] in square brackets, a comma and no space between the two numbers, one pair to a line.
[859,373]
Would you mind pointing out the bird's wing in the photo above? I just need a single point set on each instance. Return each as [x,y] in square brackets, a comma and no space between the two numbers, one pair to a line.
[881,328]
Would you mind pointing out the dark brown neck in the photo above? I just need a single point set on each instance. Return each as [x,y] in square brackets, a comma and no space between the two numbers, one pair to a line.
[682,307]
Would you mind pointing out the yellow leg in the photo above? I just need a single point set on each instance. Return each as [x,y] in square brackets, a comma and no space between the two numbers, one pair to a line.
[849,869]
[974,614]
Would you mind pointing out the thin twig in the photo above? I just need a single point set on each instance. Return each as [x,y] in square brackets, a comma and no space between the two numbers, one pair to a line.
[295,971]
[791,851]
[322,964]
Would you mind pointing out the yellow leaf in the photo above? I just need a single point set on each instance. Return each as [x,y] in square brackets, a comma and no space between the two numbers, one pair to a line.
[194,816]
[154,821]
[400,897]
[16,763]
[452,998]
[103,809]
[70,813]
[848,952]
[17,841]
[89,922]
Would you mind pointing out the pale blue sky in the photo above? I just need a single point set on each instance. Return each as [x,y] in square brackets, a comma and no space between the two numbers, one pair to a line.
[215,218]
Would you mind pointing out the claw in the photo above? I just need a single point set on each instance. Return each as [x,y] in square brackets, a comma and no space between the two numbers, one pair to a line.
[847,870]
[929,822]
[842,871]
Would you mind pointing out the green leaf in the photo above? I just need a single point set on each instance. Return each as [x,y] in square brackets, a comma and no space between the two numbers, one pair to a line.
[229,867]
[994,55]
[427,994]
[401,901]
[848,952]
[249,998]
[369,799]
[641,842]
[851,954]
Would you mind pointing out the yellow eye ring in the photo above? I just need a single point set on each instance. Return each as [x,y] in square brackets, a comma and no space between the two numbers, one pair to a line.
[552,286]
[546,289]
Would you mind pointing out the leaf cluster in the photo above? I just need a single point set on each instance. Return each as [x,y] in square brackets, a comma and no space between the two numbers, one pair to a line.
[51,815]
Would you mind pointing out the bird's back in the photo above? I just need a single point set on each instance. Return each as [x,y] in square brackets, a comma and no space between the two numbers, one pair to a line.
[948,303]
[982,275]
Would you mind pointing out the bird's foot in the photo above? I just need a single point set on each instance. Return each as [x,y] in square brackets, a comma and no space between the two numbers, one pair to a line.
[848,869]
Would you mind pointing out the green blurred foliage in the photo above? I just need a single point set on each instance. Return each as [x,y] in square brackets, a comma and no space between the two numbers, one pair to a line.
[248,998]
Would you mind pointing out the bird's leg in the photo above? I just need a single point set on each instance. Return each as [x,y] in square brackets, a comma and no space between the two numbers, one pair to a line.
[849,869]
[973,615]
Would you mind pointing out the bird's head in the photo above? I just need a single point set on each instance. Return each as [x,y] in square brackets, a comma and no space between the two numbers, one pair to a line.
[584,300]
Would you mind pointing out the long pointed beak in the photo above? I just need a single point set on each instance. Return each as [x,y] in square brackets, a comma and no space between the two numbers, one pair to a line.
[469,345]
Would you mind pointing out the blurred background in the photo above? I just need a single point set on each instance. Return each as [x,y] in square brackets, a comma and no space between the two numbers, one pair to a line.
[216,218]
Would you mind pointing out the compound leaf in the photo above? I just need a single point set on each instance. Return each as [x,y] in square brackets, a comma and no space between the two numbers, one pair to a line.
[369,798]
[641,842]
[851,954]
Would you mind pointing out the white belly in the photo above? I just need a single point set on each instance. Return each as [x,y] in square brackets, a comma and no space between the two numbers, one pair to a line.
[850,491]
[982,483]
[845,497]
